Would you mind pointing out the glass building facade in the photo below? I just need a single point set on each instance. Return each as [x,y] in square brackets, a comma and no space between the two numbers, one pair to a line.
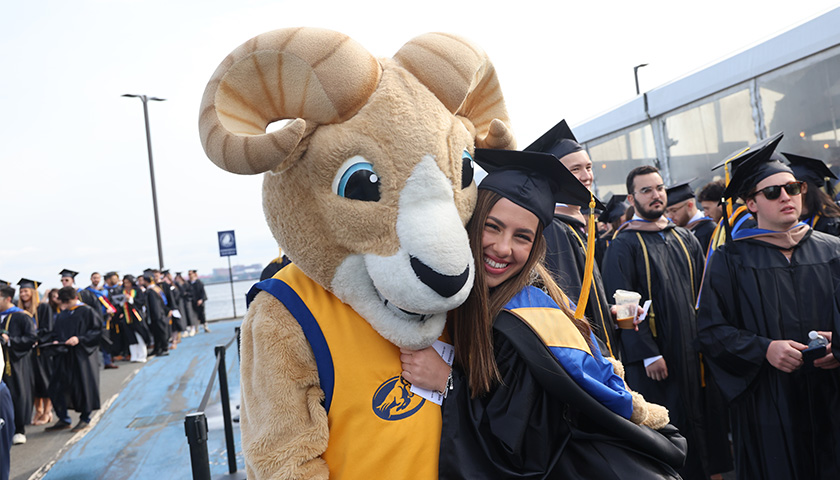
[790,83]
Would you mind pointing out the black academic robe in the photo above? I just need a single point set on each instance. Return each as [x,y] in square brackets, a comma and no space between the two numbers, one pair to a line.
[703,230]
[133,316]
[601,248]
[41,361]
[173,297]
[785,425]
[186,305]
[565,258]
[76,369]
[540,424]
[829,225]
[20,328]
[669,329]
[198,293]
[158,319]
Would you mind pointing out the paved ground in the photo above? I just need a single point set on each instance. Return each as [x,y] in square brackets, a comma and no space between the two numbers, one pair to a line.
[139,432]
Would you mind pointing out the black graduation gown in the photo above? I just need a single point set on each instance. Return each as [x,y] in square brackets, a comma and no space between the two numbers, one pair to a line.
[829,225]
[132,314]
[198,293]
[173,297]
[601,248]
[186,305]
[21,382]
[76,369]
[41,361]
[785,425]
[703,230]
[672,315]
[565,258]
[158,320]
[540,424]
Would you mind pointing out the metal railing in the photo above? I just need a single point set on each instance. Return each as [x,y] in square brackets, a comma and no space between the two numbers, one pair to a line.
[195,423]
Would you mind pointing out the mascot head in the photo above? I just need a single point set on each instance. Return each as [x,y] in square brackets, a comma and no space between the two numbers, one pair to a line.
[369,183]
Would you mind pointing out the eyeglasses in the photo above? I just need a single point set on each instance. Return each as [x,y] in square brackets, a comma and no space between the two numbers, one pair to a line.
[774,191]
[648,190]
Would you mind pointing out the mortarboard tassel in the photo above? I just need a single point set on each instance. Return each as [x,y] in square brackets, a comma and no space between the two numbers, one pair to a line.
[590,259]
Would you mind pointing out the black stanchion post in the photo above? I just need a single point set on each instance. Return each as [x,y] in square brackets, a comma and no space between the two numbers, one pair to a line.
[223,389]
[238,343]
[195,425]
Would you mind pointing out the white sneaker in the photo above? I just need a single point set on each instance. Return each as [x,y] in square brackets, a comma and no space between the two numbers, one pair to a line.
[18,439]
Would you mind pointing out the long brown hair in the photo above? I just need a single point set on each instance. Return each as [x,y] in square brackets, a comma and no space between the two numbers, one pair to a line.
[471,324]
[32,306]
[816,201]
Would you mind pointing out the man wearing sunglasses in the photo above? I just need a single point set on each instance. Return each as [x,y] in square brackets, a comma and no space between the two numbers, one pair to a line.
[762,295]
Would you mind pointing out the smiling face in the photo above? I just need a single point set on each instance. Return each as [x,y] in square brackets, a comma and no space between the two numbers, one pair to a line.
[780,214]
[648,196]
[507,240]
[580,165]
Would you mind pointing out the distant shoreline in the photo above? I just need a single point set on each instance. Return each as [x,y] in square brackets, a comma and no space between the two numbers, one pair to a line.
[216,281]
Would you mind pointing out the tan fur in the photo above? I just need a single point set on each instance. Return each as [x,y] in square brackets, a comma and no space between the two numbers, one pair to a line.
[644,413]
[319,229]
[284,426]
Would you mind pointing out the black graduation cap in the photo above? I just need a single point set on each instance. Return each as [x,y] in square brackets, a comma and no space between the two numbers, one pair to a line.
[809,169]
[27,283]
[614,209]
[148,272]
[3,283]
[758,166]
[738,157]
[535,181]
[164,272]
[679,192]
[68,273]
[559,141]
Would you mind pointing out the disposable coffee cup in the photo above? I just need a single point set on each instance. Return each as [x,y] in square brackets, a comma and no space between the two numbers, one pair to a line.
[626,305]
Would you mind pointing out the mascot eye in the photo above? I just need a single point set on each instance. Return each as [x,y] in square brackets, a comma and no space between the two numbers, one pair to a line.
[467,169]
[356,180]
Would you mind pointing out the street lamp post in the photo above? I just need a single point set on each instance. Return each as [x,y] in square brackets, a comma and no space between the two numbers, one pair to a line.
[145,99]
[636,75]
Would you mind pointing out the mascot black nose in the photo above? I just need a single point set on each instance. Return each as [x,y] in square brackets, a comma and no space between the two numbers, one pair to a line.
[444,285]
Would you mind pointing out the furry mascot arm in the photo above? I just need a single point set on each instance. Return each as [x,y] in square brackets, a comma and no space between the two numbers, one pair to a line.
[284,425]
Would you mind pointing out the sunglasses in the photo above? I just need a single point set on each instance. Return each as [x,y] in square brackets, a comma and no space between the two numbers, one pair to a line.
[775,191]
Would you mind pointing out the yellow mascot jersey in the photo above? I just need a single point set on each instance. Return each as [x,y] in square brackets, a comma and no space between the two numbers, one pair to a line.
[378,428]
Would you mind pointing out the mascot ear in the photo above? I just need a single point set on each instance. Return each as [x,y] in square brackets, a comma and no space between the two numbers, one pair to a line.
[313,76]
[462,77]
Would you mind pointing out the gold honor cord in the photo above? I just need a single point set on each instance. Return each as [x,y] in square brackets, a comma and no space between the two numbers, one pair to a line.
[603,323]
[590,258]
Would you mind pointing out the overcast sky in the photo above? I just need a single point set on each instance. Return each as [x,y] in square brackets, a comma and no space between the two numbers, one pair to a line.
[74,173]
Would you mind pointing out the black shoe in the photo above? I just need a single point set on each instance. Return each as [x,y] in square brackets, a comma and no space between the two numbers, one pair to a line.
[111,365]
[60,425]
[80,426]
[163,354]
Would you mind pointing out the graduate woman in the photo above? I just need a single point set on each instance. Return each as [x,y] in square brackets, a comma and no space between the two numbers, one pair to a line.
[528,395]
[43,316]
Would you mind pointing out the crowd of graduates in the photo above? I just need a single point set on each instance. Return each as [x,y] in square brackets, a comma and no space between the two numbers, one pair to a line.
[711,355]
[55,345]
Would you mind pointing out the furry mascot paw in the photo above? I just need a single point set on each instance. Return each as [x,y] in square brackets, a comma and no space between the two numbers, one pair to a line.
[644,413]
[367,188]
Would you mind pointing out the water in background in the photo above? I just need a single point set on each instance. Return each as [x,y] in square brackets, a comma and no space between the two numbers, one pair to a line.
[219,304]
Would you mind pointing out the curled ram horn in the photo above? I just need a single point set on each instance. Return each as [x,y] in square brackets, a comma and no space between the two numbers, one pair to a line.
[306,75]
[461,75]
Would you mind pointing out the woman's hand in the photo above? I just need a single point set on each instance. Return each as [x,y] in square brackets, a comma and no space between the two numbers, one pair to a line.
[424,368]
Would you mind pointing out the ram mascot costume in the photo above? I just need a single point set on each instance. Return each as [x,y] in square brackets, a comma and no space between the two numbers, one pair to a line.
[367,189]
